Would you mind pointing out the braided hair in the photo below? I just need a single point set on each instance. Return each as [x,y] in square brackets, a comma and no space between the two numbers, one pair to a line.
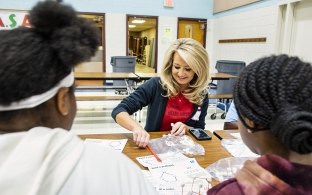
[35,59]
[276,93]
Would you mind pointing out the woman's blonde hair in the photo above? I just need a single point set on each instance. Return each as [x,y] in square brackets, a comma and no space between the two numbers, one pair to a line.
[196,56]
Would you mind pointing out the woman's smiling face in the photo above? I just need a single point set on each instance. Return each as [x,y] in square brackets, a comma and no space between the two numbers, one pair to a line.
[181,71]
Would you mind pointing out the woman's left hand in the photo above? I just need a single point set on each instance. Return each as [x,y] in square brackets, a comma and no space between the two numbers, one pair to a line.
[179,128]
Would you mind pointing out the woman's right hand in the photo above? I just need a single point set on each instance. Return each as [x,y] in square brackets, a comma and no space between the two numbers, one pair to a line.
[140,137]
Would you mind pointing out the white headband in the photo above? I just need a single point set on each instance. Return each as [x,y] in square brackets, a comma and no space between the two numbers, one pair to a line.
[36,100]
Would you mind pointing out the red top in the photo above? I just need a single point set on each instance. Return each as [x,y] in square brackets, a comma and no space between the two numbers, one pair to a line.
[178,108]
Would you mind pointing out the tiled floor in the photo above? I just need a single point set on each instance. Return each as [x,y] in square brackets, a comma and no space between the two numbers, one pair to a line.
[143,68]
[94,117]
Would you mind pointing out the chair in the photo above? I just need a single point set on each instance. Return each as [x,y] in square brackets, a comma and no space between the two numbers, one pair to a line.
[224,88]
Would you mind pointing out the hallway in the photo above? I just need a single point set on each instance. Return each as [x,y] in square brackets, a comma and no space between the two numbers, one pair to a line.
[140,68]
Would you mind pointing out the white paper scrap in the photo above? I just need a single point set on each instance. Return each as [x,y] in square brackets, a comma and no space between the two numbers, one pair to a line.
[115,144]
[237,148]
[166,158]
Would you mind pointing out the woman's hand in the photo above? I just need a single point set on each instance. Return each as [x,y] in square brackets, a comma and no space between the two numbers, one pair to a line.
[140,137]
[179,128]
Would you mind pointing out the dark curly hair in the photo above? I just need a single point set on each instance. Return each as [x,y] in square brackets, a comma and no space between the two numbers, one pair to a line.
[276,93]
[35,59]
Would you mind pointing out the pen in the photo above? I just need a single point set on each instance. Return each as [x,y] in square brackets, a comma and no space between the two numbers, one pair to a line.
[152,151]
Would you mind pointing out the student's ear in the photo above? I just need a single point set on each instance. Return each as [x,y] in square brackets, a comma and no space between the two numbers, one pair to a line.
[252,125]
[249,122]
[63,101]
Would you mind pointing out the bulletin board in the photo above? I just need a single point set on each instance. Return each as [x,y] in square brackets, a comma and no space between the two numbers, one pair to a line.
[224,5]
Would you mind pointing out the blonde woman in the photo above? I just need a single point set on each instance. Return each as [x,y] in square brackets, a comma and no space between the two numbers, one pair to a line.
[177,100]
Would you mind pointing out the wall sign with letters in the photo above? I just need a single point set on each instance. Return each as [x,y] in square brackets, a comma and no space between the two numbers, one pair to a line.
[13,19]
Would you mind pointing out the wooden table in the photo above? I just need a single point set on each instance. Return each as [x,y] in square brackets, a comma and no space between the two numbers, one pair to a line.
[225,134]
[96,80]
[221,96]
[134,76]
[214,76]
[105,76]
[146,76]
[99,97]
[213,149]
[221,76]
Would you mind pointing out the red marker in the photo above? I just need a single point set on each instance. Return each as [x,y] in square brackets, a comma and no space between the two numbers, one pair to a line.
[152,151]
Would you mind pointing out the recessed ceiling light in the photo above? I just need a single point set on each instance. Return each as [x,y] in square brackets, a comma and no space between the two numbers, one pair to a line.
[138,21]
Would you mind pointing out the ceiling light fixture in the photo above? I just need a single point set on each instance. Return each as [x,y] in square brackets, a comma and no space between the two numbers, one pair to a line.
[138,21]
[131,26]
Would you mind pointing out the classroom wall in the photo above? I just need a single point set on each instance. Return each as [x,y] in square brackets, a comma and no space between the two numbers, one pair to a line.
[251,24]
[255,20]
[115,37]
[301,40]
[287,26]
[141,7]
[115,19]
[266,18]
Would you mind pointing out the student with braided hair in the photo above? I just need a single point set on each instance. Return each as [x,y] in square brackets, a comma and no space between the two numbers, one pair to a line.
[37,107]
[273,98]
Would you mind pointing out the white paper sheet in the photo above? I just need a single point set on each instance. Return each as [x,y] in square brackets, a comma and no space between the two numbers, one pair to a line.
[115,144]
[181,177]
[166,158]
[237,148]
[236,135]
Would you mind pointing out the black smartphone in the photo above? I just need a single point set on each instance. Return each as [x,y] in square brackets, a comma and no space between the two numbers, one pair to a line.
[200,134]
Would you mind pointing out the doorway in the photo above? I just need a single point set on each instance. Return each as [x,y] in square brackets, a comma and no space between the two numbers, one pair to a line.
[142,42]
[97,62]
[194,28]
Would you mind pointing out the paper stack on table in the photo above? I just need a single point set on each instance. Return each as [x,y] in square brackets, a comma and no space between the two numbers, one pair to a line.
[237,147]
[176,174]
